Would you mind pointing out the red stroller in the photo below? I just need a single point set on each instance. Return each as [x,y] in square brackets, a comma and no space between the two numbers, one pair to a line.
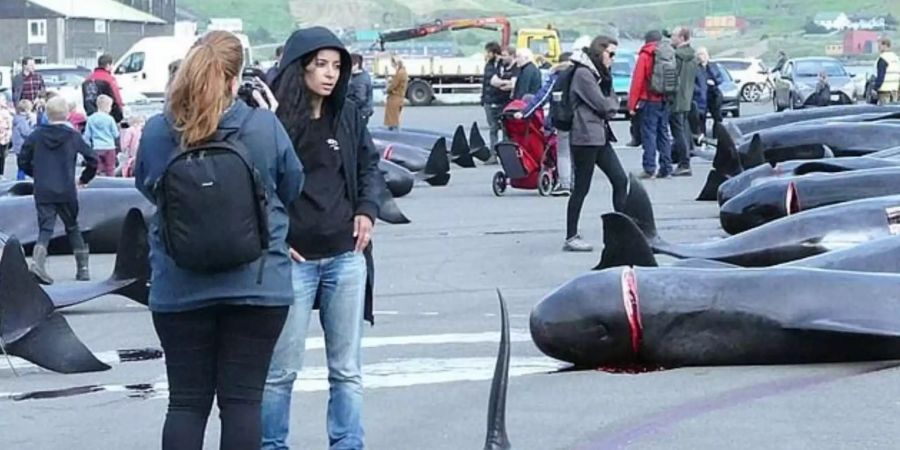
[529,160]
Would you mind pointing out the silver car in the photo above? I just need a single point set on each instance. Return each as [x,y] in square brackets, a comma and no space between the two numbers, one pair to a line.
[797,83]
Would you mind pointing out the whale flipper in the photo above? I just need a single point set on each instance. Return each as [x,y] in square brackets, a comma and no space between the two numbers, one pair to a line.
[853,324]
[29,326]
[389,211]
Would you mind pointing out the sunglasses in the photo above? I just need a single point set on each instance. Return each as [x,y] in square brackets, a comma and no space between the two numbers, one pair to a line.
[611,54]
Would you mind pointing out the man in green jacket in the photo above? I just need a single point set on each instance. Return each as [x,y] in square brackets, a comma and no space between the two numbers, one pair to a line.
[680,104]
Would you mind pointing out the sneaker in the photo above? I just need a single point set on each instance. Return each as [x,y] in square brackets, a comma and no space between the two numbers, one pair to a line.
[576,244]
[646,175]
[682,172]
[560,191]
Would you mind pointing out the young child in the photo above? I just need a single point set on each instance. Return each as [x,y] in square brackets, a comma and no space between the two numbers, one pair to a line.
[76,117]
[48,155]
[101,134]
[23,124]
[131,138]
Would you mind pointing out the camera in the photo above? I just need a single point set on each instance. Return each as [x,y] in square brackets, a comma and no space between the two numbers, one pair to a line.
[252,82]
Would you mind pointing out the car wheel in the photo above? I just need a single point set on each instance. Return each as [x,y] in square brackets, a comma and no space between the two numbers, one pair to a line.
[498,183]
[751,92]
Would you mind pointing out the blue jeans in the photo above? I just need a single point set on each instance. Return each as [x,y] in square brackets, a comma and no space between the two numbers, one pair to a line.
[340,284]
[655,138]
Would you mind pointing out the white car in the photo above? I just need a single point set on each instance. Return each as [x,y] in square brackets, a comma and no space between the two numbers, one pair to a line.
[65,80]
[750,74]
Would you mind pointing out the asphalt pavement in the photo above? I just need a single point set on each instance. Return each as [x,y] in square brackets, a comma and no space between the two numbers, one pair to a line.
[429,358]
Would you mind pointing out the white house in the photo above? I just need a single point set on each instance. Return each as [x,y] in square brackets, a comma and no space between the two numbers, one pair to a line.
[866,22]
[833,20]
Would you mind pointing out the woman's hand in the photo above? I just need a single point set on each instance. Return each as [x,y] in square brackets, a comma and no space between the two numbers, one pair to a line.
[268,101]
[362,231]
[296,256]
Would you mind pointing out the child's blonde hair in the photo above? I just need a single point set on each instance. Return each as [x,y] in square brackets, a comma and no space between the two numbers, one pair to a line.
[57,109]
[136,120]
[104,103]
[25,106]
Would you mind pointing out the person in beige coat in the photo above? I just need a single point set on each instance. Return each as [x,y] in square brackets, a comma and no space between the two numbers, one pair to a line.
[396,94]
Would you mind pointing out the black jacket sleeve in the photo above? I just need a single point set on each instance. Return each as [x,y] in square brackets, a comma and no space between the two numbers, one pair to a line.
[26,156]
[90,161]
[370,181]
[880,72]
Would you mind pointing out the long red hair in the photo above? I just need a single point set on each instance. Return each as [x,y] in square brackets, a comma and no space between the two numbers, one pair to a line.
[201,90]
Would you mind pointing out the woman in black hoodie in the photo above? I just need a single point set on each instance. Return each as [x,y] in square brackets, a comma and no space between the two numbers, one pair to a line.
[330,233]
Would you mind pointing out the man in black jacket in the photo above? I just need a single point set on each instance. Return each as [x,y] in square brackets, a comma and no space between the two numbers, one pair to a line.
[48,156]
[361,87]
[493,99]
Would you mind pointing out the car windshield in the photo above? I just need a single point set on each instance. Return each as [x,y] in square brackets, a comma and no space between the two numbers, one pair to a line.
[725,72]
[735,65]
[814,68]
[623,65]
[63,77]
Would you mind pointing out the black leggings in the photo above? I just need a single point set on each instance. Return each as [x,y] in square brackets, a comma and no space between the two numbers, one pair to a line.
[584,158]
[219,351]
[4,150]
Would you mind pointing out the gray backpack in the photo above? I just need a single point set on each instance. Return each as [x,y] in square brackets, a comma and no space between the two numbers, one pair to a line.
[664,79]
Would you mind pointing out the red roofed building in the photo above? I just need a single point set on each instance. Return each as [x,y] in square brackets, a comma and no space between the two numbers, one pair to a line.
[858,42]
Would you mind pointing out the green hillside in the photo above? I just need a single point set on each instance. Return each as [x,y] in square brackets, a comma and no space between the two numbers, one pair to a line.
[772,22]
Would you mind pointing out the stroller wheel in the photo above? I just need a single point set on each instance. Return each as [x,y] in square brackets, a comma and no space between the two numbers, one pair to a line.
[545,183]
[499,183]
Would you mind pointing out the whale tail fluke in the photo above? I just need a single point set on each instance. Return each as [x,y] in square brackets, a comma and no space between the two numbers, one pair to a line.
[477,145]
[437,167]
[496,438]
[639,208]
[726,160]
[624,244]
[459,149]
[29,326]
[710,191]
[133,258]
[756,156]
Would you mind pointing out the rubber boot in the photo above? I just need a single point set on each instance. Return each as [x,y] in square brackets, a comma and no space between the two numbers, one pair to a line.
[81,261]
[38,264]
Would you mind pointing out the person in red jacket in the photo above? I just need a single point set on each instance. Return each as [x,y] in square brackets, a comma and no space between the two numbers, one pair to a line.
[102,82]
[651,107]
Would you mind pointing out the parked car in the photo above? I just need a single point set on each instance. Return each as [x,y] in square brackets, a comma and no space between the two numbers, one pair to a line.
[64,79]
[797,83]
[731,94]
[6,81]
[750,75]
[622,70]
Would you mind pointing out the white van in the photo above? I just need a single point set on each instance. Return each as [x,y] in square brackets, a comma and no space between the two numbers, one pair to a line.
[144,68]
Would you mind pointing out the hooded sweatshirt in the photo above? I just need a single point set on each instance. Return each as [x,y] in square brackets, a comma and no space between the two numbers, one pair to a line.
[48,155]
[341,165]
[594,103]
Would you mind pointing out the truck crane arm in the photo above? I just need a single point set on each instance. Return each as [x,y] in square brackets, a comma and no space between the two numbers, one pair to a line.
[439,26]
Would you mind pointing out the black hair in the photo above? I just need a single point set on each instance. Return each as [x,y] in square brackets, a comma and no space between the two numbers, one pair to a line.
[26,60]
[565,57]
[595,52]
[356,59]
[104,60]
[652,36]
[295,100]
[493,47]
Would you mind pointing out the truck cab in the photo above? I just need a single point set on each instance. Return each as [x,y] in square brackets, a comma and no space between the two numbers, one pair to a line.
[541,41]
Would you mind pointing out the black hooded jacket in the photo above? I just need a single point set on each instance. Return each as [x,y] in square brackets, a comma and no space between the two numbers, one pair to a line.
[363,180]
[48,156]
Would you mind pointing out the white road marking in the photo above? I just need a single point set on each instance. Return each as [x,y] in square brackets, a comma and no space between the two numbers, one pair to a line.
[387,374]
